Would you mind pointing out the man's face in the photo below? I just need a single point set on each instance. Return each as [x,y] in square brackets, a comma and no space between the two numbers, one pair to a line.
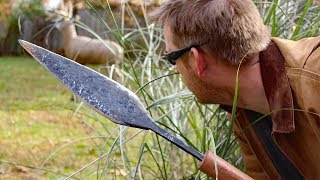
[186,66]
[208,89]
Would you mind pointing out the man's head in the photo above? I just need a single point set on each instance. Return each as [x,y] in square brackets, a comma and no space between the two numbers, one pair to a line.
[213,36]
[229,29]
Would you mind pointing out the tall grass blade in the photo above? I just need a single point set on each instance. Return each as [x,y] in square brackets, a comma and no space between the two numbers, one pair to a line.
[299,25]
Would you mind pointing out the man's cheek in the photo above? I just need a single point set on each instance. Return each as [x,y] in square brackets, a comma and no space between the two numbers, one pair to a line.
[178,68]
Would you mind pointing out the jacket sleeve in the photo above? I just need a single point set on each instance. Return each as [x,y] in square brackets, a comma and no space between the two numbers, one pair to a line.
[252,165]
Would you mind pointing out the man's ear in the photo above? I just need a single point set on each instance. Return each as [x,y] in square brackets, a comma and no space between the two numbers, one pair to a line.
[201,63]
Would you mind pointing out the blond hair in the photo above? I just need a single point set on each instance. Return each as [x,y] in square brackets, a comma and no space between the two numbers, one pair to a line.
[230,29]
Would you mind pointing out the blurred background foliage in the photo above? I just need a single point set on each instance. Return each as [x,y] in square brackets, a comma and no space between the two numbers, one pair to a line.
[11,16]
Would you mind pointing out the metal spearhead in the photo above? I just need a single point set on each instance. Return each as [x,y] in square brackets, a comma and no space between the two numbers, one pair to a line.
[103,94]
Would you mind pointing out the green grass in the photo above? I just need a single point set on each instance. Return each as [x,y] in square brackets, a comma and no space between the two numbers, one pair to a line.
[36,118]
[25,85]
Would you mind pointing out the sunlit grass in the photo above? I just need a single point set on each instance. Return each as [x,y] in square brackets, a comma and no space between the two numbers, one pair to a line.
[36,118]
[22,85]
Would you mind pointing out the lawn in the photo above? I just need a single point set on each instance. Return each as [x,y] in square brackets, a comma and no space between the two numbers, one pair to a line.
[36,118]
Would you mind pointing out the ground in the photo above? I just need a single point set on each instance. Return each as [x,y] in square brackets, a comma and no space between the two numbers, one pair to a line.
[36,118]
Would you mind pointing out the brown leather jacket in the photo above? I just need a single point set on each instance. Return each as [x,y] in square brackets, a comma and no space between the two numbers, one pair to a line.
[291,76]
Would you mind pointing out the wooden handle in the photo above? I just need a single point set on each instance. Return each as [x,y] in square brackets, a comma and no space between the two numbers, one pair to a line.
[225,169]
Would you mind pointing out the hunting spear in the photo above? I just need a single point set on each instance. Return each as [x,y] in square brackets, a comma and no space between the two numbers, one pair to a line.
[121,106]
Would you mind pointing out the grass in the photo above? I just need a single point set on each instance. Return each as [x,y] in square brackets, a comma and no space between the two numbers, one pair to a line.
[37,117]
[25,89]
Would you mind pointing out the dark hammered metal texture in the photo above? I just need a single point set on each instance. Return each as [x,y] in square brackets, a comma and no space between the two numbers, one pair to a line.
[103,94]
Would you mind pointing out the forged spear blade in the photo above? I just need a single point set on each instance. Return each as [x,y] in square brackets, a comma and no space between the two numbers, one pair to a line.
[103,94]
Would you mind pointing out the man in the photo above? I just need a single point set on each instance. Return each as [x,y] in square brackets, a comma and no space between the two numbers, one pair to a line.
[208,39]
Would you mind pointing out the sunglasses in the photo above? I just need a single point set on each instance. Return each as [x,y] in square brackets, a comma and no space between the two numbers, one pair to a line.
[173,56]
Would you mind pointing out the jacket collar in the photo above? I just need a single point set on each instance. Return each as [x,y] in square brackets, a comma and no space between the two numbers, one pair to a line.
[277,89]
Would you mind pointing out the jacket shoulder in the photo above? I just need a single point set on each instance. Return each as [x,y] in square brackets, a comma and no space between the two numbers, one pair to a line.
[303,53]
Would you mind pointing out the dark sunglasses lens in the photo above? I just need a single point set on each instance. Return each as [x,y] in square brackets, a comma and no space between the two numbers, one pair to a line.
[169,57]
[173,62]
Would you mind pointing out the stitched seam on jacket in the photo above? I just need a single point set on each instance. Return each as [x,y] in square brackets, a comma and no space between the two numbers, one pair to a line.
[304,72]
[305,62]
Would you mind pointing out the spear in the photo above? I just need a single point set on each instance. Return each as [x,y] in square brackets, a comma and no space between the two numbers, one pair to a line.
[120,105]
